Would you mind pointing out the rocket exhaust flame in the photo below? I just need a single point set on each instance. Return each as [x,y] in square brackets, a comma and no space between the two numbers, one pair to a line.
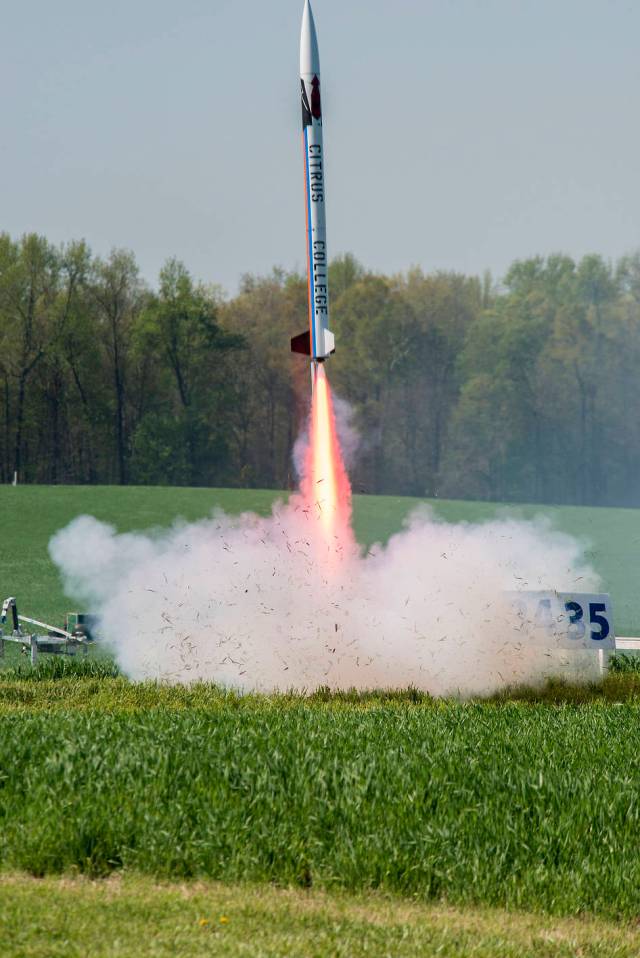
[326,486]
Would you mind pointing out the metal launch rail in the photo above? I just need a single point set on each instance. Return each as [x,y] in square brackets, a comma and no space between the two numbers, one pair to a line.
[76,636]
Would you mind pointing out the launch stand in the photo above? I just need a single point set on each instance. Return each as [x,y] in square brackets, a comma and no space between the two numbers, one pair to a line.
[75,637]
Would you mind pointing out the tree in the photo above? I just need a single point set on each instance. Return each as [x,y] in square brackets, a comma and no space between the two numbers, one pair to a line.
[445,307]
[581,348]
[271,386]
[29,272]
[502,371]
[119,297]
[181,323]
[459,386]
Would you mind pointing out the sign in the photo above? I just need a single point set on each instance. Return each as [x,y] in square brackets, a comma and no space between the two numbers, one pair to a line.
[565,620]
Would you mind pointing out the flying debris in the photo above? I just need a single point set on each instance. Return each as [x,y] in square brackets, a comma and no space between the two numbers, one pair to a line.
[318,341]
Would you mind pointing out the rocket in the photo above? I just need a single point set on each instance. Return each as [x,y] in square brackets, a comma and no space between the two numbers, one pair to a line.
[318,341]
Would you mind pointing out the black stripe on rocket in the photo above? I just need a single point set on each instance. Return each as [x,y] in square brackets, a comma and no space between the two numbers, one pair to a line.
[316,106]
[306,109]
[313,111]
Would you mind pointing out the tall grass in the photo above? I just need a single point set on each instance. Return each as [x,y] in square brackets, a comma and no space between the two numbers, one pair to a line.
[626,663]
[60,685]
[56,667]
[505,804]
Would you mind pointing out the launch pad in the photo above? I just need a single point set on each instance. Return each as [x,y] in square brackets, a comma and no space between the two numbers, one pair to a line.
[77,636]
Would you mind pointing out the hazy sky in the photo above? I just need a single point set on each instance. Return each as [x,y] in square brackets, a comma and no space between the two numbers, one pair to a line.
[459,134]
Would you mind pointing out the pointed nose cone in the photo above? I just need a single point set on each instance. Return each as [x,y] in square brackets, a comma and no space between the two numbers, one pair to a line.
[309,56]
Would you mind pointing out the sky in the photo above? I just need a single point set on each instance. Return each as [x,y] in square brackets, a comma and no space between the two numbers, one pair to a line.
[459,134]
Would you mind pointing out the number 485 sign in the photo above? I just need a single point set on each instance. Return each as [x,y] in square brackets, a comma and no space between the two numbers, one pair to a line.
[566,620]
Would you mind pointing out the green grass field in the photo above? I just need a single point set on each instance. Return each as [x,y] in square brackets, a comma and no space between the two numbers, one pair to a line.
[503,804]
[31,514]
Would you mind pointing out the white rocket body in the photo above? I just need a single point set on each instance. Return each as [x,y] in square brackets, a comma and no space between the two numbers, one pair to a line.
[318,343]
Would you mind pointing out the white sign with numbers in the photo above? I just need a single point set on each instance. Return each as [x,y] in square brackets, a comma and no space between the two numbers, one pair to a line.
[566,620]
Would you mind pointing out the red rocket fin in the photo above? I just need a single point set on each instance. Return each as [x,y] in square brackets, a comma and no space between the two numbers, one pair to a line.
[302,344]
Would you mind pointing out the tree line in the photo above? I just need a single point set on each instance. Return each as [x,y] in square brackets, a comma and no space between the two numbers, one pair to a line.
[524,391]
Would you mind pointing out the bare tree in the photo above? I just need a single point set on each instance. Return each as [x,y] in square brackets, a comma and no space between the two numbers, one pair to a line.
[119,296]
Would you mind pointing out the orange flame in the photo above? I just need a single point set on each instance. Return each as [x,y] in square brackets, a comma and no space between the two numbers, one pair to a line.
[328,485]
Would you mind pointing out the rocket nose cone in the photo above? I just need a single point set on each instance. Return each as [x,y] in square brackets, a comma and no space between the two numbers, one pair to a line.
[309,56]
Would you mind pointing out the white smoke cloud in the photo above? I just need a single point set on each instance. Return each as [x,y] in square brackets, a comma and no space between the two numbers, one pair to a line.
[348,436]
[263,603]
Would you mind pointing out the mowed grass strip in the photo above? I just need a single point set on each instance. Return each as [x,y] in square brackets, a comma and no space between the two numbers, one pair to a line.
[138,918]
[528,807]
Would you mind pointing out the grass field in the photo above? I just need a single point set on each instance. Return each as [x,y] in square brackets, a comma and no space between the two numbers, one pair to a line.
[501,804]
[139,918]
[31,514]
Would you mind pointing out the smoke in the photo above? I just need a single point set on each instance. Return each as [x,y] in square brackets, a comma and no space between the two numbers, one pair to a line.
[291,602]
[269,603]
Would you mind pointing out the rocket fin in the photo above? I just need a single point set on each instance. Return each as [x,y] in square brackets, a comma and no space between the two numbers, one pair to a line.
[329,343]
[302,343]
